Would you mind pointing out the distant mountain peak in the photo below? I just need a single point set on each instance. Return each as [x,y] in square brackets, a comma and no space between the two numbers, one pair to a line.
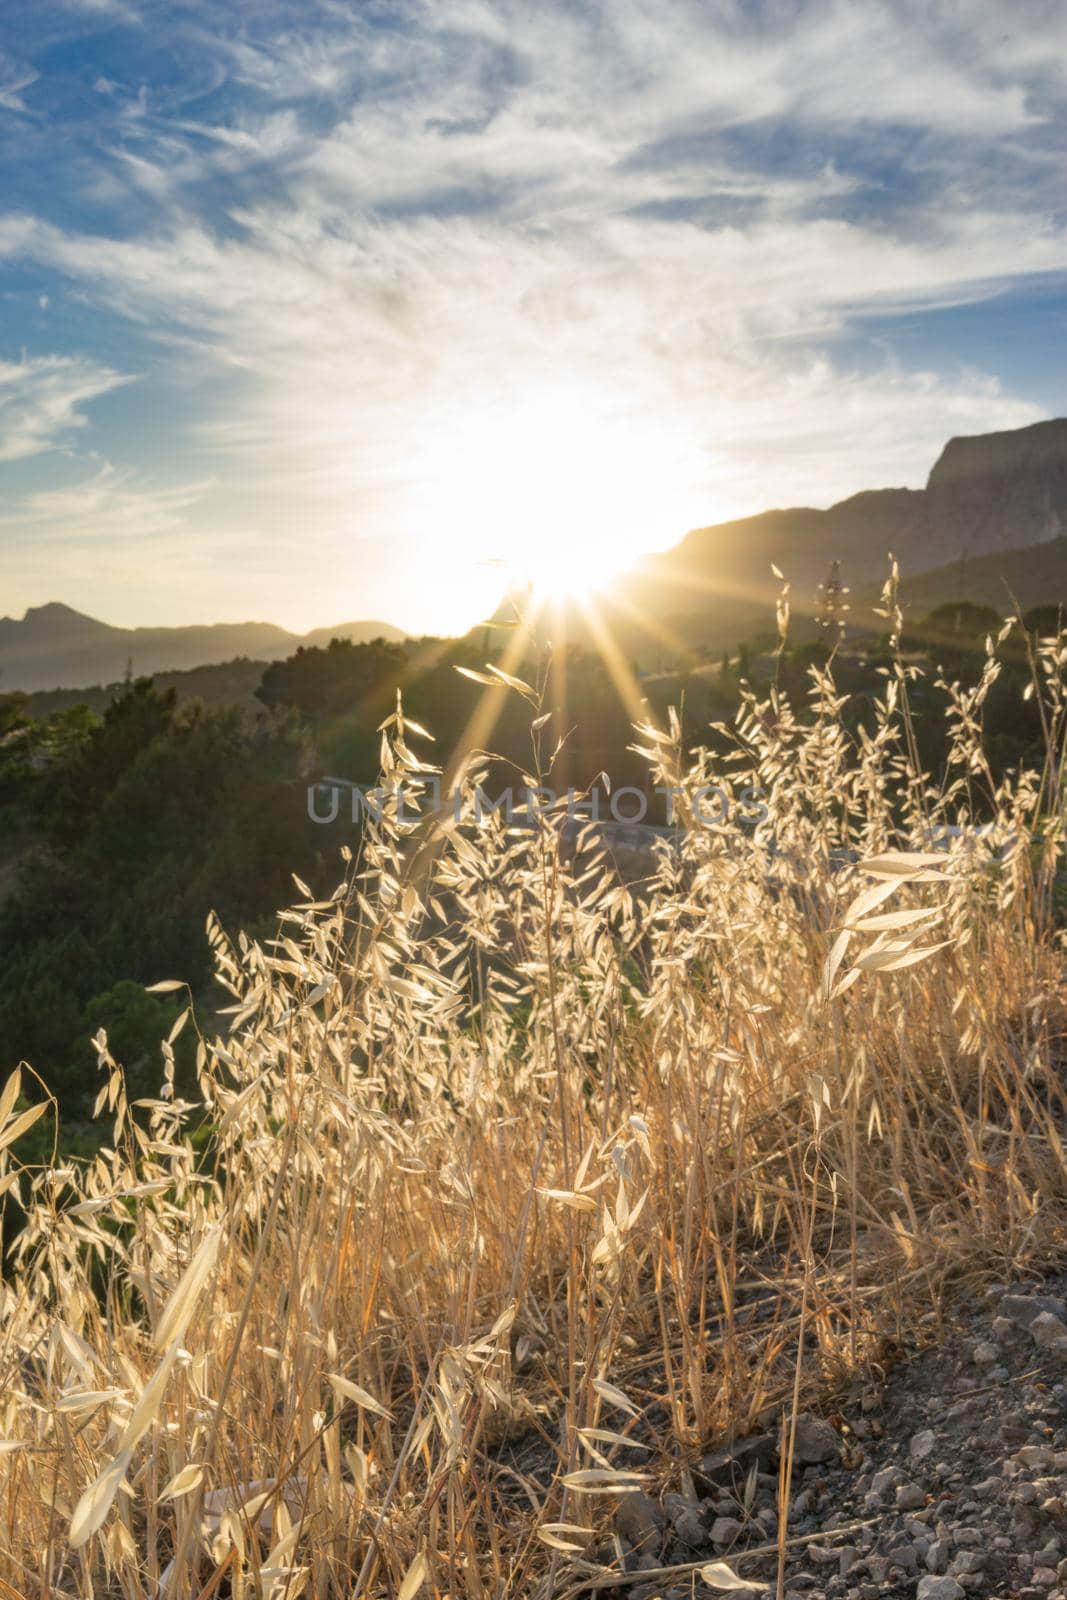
[55,622]
[55,608]
[55,646]
[51,611]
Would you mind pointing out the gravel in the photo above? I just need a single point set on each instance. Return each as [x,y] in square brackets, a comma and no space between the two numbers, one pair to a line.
[949,1481]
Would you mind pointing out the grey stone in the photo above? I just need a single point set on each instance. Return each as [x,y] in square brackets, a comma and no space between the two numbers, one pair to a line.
[905,1556]
[639,1522]
[733,1463]
[847,1557]
[675,1505]
[816,1440]
[937,1556]
[724,1530]
[909,1497]
[822,1556]
[1023,1308]
[1047,1330]
[933,1587]
[686,1518]
[885,1479]
[690,1529]
[985,1354]
[922,1444]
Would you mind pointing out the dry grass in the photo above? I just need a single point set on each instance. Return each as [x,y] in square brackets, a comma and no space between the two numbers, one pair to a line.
[517,1171]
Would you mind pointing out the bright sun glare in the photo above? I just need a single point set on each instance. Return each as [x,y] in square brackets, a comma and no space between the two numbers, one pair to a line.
[559,487]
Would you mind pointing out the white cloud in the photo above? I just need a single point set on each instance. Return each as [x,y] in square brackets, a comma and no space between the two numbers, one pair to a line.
[110,505]
[13,80]
[668,212]
[41,401]
[109,10]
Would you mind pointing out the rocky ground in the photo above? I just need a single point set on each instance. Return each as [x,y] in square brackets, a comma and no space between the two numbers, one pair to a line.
[949,1482]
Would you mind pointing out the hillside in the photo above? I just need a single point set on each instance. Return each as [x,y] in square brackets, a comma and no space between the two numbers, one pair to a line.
[994,507]
[222,683]
[54,646]
[1034,576]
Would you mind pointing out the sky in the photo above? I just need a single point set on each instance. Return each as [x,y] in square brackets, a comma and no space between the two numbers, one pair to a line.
[324,310]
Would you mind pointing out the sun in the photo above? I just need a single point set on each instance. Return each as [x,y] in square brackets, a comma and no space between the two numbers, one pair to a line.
[560,485]
[564,572]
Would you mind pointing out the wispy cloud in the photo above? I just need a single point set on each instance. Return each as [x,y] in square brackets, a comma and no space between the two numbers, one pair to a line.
[381,230]
[110,10]
[110,505]
[42,401]
[13,79]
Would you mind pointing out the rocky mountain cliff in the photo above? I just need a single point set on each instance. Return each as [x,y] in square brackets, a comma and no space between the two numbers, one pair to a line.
[998,491]
[988,501]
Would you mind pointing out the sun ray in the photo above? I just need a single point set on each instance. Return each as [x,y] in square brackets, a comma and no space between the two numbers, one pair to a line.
[659,631]
[618,668]
[485,715]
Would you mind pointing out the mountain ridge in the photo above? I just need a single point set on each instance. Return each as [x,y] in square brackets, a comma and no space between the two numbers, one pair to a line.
[994,507]
[53,646]
[998,495]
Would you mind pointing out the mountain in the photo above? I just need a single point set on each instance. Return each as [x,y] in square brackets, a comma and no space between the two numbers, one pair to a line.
[1006,579]
[1000,491]
[358,632]
[991,505]
[53,646]
[993,512]
[221,683]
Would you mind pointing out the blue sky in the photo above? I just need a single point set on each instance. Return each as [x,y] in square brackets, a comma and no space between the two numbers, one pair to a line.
[308,311]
